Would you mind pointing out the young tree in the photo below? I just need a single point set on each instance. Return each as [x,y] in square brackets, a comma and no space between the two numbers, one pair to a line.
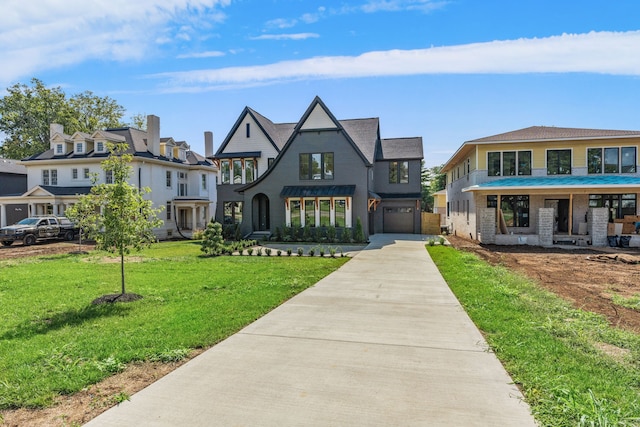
[117,216]
[212,241]
[27,111]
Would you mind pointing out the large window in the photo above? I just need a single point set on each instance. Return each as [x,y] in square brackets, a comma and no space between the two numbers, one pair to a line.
[325,212]
[619,204]
[310,212]
[168,184]
[249,170]
[398,172]
[515,209]
[232,212]
[559,162]
[296,220]
[225,171]
[508,163]
[316,166]
[50,177]
[341,212]
[237,171]
[611,160]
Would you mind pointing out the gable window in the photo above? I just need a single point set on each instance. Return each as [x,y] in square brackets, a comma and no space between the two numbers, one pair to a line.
[515,209]
[59,149]
[508,163]
[316,166]
[168,182]
[85,173]
[398,172]
[559,162]
[611,160]
[74,173]
[225,171]
[249,170]
[248,130]
[108,177]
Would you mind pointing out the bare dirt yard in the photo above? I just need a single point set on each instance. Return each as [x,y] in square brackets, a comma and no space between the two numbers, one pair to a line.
[586,277]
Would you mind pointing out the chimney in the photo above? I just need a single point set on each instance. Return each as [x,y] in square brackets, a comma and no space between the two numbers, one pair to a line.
[208,144]
[153,134]
[53,129]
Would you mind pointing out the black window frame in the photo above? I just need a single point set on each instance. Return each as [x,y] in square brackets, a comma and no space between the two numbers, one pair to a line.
[308,172]
[555,164]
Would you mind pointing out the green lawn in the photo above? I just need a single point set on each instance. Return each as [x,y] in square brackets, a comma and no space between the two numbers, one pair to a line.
[573,368]
[54,341]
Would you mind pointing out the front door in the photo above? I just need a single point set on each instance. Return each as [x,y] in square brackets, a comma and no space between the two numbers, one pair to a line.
[261,220]
[560,214]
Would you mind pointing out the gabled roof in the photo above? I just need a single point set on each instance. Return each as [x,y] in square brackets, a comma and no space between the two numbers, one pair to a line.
[552,133]
[401,149]
[50,190]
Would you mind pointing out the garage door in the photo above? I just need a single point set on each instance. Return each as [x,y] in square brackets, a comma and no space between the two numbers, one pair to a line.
[398,220]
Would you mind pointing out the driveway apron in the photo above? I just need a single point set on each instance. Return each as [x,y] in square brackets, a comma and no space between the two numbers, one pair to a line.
[380,342]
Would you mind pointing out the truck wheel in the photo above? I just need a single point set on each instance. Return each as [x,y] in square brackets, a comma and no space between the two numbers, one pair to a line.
[68,236]
[7,243]
[29,240]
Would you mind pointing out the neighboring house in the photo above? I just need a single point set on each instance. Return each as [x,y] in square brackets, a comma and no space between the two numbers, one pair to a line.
[543,185]
[319,171]
[13,181]
[181,181]
[440,207]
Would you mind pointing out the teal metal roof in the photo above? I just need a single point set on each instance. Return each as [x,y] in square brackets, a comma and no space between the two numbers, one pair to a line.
[568,181]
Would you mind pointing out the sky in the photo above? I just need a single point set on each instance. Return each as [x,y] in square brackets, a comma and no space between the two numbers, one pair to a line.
[448,71]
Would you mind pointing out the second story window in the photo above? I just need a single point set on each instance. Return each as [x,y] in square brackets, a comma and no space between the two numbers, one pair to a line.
[169,184]
[74,173]
[49,177]
[108,177]
[237,171]
[316,166]
[559,162]
[204,181]
[611,160]
[225,172]
[399,172]
[508,163]
[249,170]
[85,173]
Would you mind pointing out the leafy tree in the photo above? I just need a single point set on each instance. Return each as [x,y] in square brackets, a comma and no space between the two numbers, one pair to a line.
[432,181]
[213,242]
[139,121]
[117,216]
[27,111]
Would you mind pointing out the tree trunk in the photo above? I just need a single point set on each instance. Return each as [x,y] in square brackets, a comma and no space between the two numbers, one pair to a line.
[122,269]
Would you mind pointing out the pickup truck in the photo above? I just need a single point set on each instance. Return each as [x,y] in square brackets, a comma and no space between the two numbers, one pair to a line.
[32,229]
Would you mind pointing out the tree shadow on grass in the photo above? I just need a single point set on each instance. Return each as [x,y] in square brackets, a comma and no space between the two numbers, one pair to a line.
[74,317]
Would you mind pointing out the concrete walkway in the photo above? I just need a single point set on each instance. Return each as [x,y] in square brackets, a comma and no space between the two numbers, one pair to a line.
[380,342]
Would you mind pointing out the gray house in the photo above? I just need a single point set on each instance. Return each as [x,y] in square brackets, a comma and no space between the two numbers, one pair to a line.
[319,171]
[13,181]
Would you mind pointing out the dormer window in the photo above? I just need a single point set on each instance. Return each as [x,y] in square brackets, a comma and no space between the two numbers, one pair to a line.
[79,148]
[59,149]
[99,146]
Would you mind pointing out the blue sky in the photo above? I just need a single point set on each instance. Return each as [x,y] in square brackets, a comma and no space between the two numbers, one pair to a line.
[446,70]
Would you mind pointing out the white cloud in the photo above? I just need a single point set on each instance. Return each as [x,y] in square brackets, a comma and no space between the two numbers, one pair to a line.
[46,34]
[297,36]
[207,54]
[595,52]
[399,5]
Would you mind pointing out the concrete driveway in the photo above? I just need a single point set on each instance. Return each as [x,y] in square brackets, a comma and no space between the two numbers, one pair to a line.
[380,342]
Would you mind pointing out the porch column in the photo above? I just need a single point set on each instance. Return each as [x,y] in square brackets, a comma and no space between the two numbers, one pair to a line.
[194,218]
[570,214]
[3,215]
[32,209]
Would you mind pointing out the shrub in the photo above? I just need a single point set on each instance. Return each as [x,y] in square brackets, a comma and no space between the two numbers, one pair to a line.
[431,242]
[289,251]
[358,234]
[279,252]
[300,251]
[442,240]
[250,251]
[312,252]
[332,252]
[267,251]
[197,234]
[331,234]
[278,235]
[212,243]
